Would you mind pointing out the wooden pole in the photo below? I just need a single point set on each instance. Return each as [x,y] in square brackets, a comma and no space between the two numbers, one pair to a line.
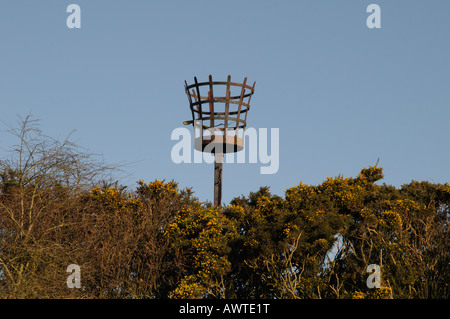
[218,163]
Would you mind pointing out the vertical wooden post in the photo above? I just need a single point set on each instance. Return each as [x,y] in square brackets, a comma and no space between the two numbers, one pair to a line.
[218,164]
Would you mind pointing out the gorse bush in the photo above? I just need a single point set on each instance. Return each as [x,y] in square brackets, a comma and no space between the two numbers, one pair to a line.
[57,207]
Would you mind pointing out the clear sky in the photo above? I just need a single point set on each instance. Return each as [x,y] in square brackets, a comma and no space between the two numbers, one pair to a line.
[341,94]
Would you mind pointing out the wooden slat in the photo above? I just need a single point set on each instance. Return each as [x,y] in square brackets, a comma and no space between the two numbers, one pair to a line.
[240,101]
[227,104]
[199,98]
[211,101]
[248,102]
[190,99]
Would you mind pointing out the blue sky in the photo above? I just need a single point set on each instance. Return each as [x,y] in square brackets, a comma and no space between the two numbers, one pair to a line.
[342,95]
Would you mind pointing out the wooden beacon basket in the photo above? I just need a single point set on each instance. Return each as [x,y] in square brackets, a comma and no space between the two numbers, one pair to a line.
[219,114]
